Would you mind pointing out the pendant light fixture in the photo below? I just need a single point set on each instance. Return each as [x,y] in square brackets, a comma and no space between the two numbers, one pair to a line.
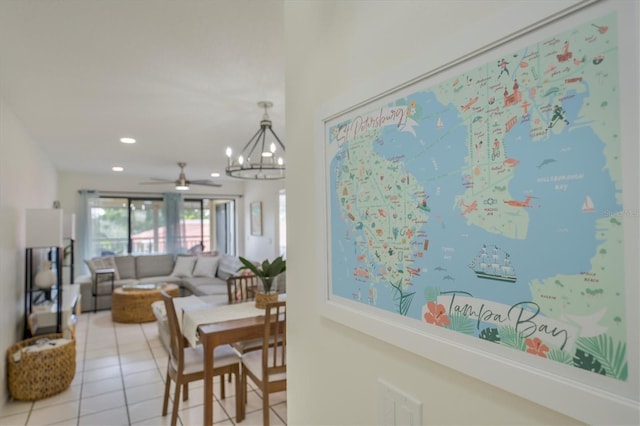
[260,159]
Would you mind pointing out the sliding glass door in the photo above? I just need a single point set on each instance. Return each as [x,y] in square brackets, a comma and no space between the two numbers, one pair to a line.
[195,218]
[225,226]
[123,225]
[148,226]
[109,226]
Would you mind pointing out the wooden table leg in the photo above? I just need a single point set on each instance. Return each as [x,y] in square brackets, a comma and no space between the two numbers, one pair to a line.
[208,384]
[214,334]
[239,400]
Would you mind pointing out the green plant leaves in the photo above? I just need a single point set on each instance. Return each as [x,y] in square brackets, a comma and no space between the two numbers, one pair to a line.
[588,362]
[462,324]
[611,356]
[267,271]
[402,299]
[560,356]
[490,334]
[274,268]
[510,337]
[431,293]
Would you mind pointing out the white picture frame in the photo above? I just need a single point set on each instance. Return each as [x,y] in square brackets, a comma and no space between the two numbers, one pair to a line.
[585,396]
[256,218]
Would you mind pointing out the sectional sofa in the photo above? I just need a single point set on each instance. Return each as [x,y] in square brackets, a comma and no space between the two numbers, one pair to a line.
[202,275]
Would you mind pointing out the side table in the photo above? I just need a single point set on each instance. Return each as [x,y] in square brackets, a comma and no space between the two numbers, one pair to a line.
[110,273]
[132,305]
[43,316]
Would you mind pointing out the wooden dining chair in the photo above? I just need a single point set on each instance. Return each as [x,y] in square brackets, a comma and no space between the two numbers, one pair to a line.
[242,288]
[186,364]
[267,367]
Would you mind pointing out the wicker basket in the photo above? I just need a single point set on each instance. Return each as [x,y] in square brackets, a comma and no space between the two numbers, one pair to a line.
[134,306]
[263,299]
[41,374]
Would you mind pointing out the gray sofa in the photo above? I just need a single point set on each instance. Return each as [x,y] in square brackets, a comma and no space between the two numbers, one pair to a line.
[203,275]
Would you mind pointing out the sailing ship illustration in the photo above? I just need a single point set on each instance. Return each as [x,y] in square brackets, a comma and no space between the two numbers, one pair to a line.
[587,205]
[493,263]
[439,123]
[424,206]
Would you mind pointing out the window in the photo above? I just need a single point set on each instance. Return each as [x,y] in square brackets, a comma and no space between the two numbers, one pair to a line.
[147,226]
[124,225]
[196,235]
[225,226]
[109,226]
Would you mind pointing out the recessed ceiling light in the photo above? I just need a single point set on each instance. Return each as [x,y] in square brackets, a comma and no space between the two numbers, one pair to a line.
[127,140]
[117,168]
[214,174]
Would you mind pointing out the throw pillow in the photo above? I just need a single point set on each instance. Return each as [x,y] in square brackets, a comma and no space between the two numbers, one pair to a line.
[228,266]
[184,266]
[92,268]
[206,266]
[126,266]
[108,263]
[103,263]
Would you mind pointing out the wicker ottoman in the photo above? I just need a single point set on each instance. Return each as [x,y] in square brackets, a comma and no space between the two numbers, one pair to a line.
[40,373]
[134,306]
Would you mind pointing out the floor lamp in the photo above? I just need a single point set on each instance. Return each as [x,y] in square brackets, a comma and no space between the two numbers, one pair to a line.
[43,231]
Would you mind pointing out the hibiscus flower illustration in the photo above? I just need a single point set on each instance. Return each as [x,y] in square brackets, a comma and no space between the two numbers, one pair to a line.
[536,347]
[436,314]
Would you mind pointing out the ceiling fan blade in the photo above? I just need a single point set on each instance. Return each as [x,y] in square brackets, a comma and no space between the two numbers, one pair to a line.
[157,182]
[182,180]
[205,183]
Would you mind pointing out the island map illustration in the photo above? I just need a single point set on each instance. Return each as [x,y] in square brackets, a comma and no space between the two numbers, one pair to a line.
[489,202]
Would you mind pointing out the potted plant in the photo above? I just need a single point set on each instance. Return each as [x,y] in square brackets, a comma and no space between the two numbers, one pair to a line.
[267,272]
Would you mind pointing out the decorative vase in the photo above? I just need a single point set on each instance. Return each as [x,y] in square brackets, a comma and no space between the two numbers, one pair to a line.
[262,299]
[267,294]
[45,278]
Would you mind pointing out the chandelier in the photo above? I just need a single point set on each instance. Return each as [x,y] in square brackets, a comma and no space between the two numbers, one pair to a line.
[257,160]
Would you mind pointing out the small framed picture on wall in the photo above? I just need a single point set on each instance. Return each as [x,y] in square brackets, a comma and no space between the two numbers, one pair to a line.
[256,218]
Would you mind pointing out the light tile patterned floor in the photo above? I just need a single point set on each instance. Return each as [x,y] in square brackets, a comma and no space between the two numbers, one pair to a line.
[120,372]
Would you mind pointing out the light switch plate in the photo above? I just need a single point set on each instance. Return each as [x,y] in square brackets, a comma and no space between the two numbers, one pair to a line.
[396,408]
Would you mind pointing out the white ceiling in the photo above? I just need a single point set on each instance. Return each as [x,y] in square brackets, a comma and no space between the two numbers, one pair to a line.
[182,77]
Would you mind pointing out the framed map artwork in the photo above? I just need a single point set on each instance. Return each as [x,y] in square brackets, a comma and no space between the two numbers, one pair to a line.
[256,218]
[485,215]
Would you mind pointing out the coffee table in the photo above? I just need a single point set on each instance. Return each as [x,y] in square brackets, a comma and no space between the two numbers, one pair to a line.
[133,304]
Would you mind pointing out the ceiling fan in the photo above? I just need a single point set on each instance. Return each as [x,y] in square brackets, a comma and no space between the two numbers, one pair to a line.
[182,184]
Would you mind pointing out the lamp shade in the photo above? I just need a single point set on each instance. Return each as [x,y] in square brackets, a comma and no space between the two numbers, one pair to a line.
[69,226]
[44,228]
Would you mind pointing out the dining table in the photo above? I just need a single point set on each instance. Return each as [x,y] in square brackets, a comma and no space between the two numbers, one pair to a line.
[213,326]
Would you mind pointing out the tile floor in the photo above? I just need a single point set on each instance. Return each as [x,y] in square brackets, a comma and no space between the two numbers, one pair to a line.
[120,372]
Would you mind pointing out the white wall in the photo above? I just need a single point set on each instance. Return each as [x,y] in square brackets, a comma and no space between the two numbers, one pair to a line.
[27,180]
[332,46]
[265,246]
